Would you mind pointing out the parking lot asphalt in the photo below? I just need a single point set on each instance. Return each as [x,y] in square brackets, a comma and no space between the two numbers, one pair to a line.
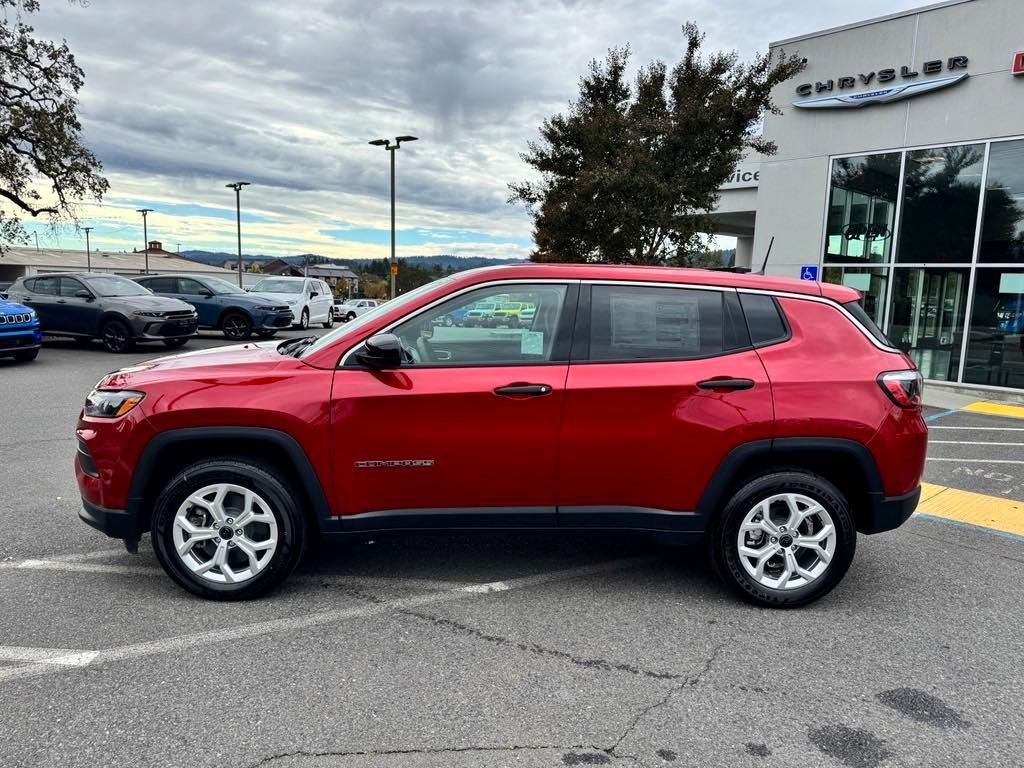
[496,650]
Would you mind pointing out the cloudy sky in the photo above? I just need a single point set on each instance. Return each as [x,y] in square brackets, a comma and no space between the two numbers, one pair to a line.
[183,96]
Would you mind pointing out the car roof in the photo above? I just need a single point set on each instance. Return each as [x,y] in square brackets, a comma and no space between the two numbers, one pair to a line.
[655,274]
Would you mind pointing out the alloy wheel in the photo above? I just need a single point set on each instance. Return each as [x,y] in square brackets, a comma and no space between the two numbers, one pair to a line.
[115,337]
[225,533]
[235,327]
[786,541]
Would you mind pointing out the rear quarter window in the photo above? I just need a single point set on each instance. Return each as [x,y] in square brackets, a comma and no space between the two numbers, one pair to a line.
[857,310]
[764,319]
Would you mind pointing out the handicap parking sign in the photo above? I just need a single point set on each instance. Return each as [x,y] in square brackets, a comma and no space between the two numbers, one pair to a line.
[809,272]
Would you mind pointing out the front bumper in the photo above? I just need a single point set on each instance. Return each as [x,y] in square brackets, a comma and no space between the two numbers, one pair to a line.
[19,339]
[889,512]
[116,523]
[275,321]
[157,329]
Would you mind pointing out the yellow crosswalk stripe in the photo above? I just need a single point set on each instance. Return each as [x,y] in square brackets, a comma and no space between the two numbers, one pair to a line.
[996,409]
[1004,515]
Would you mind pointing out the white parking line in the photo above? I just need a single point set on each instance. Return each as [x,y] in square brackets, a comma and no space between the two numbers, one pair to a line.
[968,442]
[306,621]
[65,657]
[976,461]
[985,429]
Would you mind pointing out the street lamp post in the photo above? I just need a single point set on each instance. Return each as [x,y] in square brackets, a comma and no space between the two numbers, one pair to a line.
[88,253]
[237,186]
[392,148]
[145,232]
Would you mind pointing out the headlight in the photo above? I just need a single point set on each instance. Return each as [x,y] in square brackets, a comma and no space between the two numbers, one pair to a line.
[264,309]
[147,313]
[32,314]
[293,301]
[107,404]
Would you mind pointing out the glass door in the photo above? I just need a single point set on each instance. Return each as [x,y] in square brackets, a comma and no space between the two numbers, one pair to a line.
[927,318]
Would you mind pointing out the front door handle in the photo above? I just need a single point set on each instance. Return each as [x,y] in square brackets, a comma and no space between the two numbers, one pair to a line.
[523,390]
[726,383]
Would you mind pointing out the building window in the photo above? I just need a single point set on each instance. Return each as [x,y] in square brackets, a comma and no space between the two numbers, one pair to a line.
[1002,231]
[995,350]
[941,193]
[862,207]
[927,316]
[872,282]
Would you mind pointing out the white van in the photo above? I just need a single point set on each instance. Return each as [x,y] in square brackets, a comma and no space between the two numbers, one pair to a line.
[310,300]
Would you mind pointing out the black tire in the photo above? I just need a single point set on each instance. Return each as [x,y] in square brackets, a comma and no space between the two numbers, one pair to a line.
[266,481]
[724,533]
[27,355]
[304,319]
[449,321]
[175,343]
[350,317]
[236,326]
[330,319]
[116,336]
[266,334]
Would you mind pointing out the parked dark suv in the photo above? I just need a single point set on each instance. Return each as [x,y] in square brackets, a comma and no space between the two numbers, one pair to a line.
[97,305]
[224,306]
[768,417]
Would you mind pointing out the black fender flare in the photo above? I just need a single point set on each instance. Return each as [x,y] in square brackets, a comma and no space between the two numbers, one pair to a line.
[728,471]
[136,503]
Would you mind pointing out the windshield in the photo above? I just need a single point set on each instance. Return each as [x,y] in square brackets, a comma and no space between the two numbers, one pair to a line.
[369,317]
[218,286]
[278,285]
[112,285]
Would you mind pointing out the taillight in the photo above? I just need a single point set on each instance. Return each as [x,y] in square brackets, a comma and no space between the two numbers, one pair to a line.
[902,387]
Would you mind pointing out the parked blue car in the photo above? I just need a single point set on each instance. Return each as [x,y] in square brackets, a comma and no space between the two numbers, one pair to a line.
[223,306]
[20,334]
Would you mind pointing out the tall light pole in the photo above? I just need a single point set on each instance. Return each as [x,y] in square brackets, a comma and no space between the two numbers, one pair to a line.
[237,186]
[392,148]
[145,232]
[88,253]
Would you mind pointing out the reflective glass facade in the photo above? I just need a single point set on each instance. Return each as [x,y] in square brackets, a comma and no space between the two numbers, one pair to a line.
[933,238]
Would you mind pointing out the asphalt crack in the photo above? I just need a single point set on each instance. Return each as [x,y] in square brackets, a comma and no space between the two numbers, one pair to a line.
[303,753]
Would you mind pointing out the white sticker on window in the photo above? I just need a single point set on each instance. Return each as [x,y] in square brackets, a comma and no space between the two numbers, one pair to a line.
[669,324]
[531,343]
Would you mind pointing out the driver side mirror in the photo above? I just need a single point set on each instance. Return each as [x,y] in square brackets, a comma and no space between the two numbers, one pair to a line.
[83,294]
[313,294]
[381,352]
[205,293]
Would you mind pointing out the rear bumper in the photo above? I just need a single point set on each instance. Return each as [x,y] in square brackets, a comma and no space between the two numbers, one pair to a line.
[889,512]
[116,523]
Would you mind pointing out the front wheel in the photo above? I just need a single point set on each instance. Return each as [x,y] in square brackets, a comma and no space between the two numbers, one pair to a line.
[116,336]
[228,530]
[304,319]
[784,539]
[350,317]
[236,326]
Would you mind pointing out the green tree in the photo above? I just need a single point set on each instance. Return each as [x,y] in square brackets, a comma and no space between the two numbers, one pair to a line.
[45,169]
[629,172]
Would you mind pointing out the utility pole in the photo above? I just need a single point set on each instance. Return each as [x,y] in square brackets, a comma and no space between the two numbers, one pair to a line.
[88,253]
[145,233]
[237,186]
[393,148]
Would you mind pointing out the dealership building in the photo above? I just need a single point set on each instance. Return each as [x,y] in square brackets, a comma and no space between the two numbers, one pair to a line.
[900,172]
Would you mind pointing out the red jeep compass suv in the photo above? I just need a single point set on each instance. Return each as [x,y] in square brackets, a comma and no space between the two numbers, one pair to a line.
[768,416]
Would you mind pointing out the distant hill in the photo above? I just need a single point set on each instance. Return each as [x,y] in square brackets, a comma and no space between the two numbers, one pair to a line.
[445,261]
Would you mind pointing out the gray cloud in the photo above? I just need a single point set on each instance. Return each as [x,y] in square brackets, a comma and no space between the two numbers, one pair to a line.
[182,96]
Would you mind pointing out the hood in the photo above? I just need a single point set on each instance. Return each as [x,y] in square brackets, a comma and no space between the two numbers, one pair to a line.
[218,361]
[280,298]
[257,299]
[157,303]
[12,307]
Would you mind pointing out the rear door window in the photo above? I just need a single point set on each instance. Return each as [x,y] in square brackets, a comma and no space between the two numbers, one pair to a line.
[45,285]
[631,323]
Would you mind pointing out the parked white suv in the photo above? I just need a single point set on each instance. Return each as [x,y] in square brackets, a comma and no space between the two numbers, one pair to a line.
[353,308]
[310,300]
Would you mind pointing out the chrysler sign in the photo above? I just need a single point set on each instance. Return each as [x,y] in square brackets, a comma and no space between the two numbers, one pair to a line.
[890,85]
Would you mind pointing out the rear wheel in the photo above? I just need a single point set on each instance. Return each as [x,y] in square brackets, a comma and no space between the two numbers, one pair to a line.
[784,539]
[27,356]
[116,336]
[330,319]
[228,530]
[236,326]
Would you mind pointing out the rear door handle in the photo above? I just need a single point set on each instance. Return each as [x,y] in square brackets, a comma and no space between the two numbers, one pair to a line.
[724,383]
[523,390]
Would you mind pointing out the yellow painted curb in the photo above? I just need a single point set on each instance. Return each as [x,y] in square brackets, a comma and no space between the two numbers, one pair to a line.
[996,409]
[992,512]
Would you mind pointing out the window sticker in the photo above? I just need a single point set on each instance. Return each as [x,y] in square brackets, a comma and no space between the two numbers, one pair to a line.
[531,343]
[669,324]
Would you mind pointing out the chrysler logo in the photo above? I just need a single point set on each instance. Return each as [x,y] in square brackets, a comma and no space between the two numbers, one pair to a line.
[880,95]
